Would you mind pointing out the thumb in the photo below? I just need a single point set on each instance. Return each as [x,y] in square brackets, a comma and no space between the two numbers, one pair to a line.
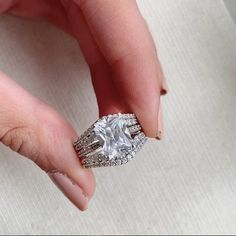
[33,129]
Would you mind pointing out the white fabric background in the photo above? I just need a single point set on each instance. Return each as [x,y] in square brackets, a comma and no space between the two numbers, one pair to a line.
[185,184]
[231,5]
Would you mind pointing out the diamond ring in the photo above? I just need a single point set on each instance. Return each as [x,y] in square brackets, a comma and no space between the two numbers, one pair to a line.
[112,140]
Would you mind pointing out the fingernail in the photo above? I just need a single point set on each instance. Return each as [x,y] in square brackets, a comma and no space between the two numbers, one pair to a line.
[70,189]
[164,88]
[160,125]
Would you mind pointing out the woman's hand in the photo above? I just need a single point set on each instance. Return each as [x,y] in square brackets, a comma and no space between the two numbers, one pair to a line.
[126,75]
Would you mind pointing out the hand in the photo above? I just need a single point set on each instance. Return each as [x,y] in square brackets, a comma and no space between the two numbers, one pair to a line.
[126,75]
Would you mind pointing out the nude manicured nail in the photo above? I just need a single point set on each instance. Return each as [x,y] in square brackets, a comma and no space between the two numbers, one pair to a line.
[160,125]
[71,190]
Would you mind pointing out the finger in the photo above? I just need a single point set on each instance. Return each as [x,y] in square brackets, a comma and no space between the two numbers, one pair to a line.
[51,11]
[107,95]
[69,18]
[123,38]
[4,6]
[33,129]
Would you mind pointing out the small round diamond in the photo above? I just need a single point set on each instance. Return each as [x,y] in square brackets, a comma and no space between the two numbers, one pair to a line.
[124,160]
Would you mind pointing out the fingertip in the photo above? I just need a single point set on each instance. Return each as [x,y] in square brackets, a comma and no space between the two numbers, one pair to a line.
[81,176]
[70,189]
[147,114]
[77,184]
[89,182]
[149,125]
[84,178]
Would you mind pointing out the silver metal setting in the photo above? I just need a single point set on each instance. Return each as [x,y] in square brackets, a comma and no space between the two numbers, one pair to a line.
[90,149]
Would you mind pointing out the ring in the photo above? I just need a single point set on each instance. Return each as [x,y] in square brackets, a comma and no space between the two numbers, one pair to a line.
[111,141]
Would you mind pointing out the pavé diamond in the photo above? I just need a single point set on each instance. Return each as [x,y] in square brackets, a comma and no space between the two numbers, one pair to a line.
[113,135]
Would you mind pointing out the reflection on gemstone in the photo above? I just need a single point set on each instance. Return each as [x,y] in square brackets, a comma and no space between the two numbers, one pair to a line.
[113,135]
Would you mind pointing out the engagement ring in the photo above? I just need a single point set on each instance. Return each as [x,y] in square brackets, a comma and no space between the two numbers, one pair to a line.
[112,140]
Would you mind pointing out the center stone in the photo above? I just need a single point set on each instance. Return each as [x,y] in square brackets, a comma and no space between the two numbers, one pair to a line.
[113,135]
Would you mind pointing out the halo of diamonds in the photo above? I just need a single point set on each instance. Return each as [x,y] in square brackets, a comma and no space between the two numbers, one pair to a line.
[89,148]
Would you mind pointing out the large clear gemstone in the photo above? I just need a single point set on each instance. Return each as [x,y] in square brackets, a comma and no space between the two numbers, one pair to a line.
[113,135]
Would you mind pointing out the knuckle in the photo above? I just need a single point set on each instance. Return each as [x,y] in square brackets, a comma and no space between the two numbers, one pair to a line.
[19,139]
[24,141]
[38,140]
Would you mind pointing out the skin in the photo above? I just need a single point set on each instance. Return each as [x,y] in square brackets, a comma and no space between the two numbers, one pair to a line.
[126,75]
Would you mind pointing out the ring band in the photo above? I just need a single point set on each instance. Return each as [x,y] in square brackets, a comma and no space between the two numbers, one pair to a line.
[112,140]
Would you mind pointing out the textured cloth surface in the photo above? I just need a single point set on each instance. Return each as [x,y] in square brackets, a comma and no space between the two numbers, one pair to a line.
[184,184]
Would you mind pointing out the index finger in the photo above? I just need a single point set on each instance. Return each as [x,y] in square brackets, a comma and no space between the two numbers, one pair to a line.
[124,39]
